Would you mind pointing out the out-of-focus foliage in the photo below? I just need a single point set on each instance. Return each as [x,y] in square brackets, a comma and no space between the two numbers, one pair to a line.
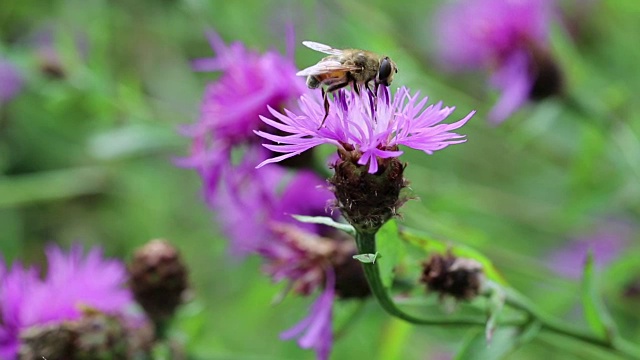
[87,150]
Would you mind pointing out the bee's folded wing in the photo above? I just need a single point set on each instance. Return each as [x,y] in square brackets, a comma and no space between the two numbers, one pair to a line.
[325,67]
[322,48]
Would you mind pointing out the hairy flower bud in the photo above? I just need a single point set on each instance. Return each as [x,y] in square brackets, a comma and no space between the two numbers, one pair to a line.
[461,278]
[158,279]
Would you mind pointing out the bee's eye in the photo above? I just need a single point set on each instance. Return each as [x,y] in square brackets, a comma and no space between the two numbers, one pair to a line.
[385,70]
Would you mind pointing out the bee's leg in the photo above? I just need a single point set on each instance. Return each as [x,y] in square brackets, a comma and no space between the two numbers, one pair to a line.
[355,87]
[374,95]
[325,97]
[369,90]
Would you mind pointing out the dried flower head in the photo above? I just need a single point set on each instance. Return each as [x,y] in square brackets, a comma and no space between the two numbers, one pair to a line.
[461,278]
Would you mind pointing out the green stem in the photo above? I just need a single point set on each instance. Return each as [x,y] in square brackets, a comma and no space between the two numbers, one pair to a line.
[366,245]
[619,345]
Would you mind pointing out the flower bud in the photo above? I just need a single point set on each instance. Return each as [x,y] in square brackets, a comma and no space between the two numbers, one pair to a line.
[461,278]
[158,279]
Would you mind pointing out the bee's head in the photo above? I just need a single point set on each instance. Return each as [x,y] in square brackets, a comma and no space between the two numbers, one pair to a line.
[386,71]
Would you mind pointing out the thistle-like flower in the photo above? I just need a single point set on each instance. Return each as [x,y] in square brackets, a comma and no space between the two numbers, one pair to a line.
[73,282]
[231,105]
[368,131]
[365,129]
[508,37]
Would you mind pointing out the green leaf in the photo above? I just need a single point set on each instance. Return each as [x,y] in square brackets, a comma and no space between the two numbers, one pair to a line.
[324,220]
[476,346]
[595,312]
[430,244]
[392,248]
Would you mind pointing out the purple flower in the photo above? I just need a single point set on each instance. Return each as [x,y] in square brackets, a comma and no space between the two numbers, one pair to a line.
[298,256]
[606,242]
[355,123]
[248,201]
[72,282]
[16,285]
[315,331]
[509,37]
[231,105]
[10,81]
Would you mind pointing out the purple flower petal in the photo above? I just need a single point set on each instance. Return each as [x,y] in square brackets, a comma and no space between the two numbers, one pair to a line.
[373,132]
[72,281]
[315,331]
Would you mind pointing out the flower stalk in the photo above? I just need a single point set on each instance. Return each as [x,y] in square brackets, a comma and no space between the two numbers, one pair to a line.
[365,242]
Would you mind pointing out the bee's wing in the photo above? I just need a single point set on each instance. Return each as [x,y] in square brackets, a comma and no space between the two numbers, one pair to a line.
[322,48]
[325,67]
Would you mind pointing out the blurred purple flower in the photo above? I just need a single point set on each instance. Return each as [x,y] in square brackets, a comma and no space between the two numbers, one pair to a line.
[11,81]
[607,243]
[72,281]
[356,124]
[254,208]
[298,256]
[16,285]
[507,37]
[315,331]
[232,104]
[248,201]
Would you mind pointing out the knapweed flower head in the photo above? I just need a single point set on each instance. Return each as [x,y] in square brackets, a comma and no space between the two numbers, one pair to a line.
[363,127]
[249,82]
[11,80]
[510,37]
[73,282]
[368,132]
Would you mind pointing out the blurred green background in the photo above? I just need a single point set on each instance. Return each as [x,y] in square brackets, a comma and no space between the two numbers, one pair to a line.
[86,153]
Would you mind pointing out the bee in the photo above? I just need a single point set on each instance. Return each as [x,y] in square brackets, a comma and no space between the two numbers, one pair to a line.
[347,67]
